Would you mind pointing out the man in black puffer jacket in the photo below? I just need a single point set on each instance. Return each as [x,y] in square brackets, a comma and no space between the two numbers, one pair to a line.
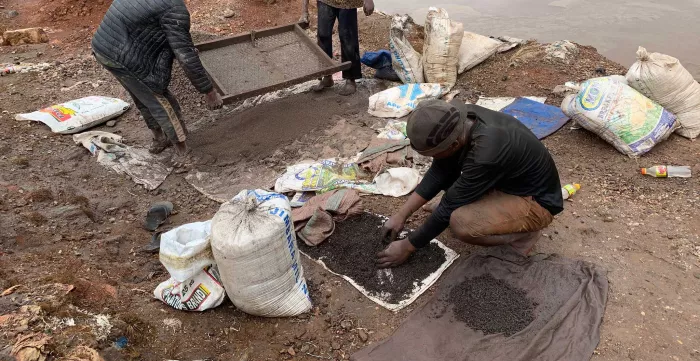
[137,42]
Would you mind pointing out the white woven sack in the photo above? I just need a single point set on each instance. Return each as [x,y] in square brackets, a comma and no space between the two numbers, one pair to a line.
[254,244]
[620,115]
[664,79]
[404,59]
[443,39]
[194,283]
[475,49]
[399,101]
[77,115]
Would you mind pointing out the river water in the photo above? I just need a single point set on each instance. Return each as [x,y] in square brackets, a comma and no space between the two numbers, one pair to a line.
[615,27]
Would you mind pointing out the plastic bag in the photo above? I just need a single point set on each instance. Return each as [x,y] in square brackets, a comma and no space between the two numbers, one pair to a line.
[663,79]
[441,48]
[324,175]
[398,182]
[254,243]
[194,283]
[377,59]
[399,101]
[380,60]
[77,115]
[393,130]
[475,49]
[620,115]
[406,61]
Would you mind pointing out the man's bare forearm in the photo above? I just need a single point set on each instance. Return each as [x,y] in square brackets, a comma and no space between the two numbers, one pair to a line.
[414,202]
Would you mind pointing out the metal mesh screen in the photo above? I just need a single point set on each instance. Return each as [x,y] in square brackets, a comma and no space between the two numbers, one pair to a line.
[269,61]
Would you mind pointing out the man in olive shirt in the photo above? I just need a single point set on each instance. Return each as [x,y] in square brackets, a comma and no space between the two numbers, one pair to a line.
[346,13]
[501,183]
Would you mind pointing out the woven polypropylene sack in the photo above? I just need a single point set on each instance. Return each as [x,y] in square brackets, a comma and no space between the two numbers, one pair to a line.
[405,60]
[255,246]
[475,49]
[620,115]
[663,79]
[443,39]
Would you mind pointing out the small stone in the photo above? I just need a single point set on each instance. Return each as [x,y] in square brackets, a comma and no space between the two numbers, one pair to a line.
[504,78]
[335,345]
[304,348]
[560,90]
[608,219]
[291,351]
[25,36]
[300,333]
[363,335]
[600,70]
[697,275]
[346,324]
[111,123]
[328,293]
[12,13]
[228,13]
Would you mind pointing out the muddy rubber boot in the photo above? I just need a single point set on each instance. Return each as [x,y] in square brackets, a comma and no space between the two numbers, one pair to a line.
[325,82]
[158,145]
[157,215]
[154,245]
[349,88]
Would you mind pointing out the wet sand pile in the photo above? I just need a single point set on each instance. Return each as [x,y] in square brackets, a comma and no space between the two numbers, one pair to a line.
[257,132]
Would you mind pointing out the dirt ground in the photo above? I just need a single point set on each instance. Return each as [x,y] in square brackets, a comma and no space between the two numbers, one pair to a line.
[71,235]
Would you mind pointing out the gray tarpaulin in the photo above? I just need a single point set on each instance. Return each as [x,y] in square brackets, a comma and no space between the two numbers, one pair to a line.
[570,296]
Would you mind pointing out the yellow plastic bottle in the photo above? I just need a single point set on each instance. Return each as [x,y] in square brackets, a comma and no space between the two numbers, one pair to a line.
[569,190]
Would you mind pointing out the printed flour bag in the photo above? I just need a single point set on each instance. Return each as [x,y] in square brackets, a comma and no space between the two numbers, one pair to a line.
[255,246]
[194,283]
[443,39]
[77,115]
[620,115]
[663,79]
[399,101]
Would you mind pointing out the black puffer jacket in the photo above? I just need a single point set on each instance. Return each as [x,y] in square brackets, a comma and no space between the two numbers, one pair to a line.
[143,36]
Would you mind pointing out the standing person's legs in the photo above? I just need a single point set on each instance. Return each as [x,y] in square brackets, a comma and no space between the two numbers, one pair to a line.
[326,20]
[160,142]
[350,48]
[500,218]
[160,111]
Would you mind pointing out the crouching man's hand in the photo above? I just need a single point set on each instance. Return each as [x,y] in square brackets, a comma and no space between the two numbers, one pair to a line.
[395,254]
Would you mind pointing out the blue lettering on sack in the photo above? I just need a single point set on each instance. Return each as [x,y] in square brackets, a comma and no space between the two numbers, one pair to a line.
[289,235]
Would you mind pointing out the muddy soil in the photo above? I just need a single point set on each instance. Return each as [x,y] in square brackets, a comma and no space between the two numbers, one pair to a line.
[258,132]
[70,230]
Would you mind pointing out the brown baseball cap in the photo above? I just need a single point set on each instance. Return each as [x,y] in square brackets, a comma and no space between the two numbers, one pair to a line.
[435,124]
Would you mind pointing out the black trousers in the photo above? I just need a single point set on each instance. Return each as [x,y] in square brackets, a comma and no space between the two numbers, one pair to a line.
[348,33]
[160,111]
